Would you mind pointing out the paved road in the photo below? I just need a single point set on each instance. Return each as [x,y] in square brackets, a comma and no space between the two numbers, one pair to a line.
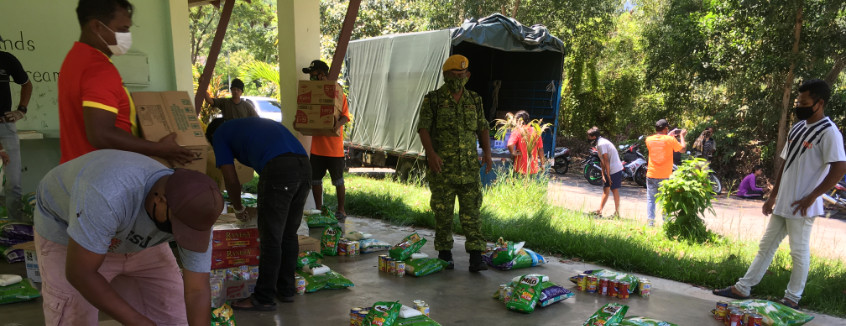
[735,218]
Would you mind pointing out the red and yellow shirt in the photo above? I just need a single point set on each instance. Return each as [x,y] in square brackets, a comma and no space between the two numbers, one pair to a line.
[89,79]
[331,146]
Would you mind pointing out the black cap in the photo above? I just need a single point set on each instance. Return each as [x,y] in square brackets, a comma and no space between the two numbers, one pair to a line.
[237,83]
[661,124]
[316,65]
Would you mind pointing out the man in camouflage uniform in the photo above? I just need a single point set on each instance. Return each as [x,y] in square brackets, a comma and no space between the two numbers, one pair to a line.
[451,120]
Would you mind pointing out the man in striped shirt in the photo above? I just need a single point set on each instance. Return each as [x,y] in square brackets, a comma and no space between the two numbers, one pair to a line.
[814,161]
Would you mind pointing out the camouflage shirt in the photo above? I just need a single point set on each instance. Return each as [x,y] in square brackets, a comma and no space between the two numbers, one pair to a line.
[454,127]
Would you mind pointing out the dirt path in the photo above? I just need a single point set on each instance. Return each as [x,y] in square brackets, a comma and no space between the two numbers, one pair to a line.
[735,218]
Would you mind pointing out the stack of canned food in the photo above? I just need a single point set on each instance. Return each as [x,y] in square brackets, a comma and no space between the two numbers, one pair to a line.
[735,316]
[391,266]
[612,288]
[349,248]
[357,315]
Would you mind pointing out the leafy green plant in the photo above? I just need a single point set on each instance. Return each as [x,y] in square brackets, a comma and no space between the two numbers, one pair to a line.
[684,197]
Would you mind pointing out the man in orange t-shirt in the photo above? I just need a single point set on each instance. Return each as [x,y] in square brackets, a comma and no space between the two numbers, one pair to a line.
[661,146]
[95,110]
[327,152]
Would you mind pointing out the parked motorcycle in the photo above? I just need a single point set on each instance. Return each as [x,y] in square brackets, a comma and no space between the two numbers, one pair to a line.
[561,160]
[593,172]
[837,196]
[716,185]
[634,163]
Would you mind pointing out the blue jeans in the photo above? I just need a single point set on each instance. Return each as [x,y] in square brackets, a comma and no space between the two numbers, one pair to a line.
[283,187]
[12,186]
[652,189]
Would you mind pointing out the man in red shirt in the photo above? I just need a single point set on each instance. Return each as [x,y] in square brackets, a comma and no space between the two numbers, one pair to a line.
[327,152]
[661,146]
[95,110]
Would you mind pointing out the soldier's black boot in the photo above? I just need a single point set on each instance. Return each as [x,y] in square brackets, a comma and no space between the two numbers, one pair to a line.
[476,263]
[446,255]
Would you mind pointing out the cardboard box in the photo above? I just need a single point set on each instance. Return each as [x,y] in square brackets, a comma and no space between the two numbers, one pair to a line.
[308,243]
[31,260]
[162,113]
[226,258]
[234,290]
[320,92]
[228,236]
[319,104]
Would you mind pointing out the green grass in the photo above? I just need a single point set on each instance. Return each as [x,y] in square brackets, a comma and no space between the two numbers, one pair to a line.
[518,210]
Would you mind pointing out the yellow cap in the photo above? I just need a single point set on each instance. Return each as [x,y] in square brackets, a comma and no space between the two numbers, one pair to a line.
[456,62]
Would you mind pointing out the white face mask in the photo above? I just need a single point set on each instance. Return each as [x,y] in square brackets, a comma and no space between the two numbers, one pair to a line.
[124,41]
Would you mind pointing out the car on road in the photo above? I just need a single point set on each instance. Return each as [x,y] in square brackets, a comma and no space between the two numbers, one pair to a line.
[266,107]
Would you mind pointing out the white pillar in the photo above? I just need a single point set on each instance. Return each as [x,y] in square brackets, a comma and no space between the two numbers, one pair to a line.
[181,38]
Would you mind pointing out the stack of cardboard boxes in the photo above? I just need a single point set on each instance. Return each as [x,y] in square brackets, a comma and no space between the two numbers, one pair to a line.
[319,104]
[163,113]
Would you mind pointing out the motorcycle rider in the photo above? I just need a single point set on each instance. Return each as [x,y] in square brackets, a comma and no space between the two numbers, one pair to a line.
[612,169]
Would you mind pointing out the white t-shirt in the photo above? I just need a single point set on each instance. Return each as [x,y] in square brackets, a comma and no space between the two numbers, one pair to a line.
[98,200]
[604,146]
[809,150]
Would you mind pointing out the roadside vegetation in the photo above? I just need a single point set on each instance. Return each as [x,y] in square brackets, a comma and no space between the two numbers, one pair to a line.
[516,208]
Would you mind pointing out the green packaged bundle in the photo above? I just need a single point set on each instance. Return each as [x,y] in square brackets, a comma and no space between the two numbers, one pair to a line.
[610,314]
[643,321]
[424,266]
[774,313]
[324,219]
[383,314]
[306,258]
[329,241]
[223,316]
[329,281]
[409,245]
[18,292]
[505,251]
[526,294]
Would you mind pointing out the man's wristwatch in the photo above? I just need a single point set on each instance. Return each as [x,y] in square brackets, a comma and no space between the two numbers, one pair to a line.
[22,108]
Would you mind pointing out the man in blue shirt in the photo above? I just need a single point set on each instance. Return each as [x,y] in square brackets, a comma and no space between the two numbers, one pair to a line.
[284,183]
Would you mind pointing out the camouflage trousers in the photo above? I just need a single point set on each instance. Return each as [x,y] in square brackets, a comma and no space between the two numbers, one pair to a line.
[469,206]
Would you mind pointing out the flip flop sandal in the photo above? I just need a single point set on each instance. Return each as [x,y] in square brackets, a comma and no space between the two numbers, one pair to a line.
[726,292]
[340,216]
[254,306]
[789,303]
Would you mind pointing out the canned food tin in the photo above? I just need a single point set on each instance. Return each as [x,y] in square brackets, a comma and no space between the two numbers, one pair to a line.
[623,290]
[755,320]
[592,283]
[735,317]
[603,286]
[613,285]
[722,310]
[581,283]
[400,271]
[301,284]
[382,263]
[421,306]
[392,266]
[356,248]
[354,312]
[645,287]
[343,248]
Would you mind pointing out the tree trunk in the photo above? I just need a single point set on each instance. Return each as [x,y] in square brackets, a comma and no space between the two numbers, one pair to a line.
[788,86]
[839,65]
[344,39]
[516,8]
[214,51]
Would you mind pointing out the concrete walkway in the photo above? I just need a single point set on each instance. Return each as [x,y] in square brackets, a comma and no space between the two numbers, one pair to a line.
[735,218]
[455,297]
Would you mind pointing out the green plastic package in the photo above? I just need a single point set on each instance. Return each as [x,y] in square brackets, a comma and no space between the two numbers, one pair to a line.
[306,258]
[421,320]
[505,251]
[526,294]
[383,314]
[324,219]
[774,313]
[643,321]
[329,241]
[223,316]
[329,281]
[18,292]
[409,245]
[610,314]
[424,266]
